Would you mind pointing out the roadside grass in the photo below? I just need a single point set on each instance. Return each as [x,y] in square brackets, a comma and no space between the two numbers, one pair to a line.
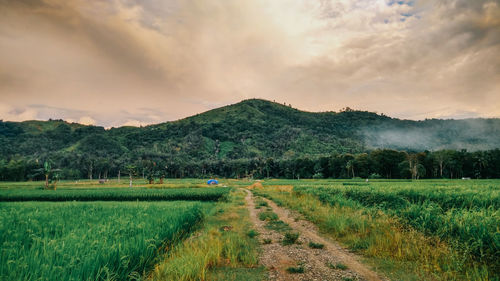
[215,254]
[407,253]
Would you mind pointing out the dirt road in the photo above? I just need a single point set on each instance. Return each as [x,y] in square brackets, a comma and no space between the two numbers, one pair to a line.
[332,262]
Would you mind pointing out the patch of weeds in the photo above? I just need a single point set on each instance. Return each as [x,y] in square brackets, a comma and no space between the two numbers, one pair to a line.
[252,233]
[268,216]
[260,203]
[278,225]
[293,270]
[290,238]
[267,241]
[313,245]
[349,279]
[338,265]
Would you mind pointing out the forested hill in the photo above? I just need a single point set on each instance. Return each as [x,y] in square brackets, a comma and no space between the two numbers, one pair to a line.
[251,128]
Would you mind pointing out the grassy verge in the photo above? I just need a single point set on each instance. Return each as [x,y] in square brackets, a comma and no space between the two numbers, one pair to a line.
[222,250]
[400,252]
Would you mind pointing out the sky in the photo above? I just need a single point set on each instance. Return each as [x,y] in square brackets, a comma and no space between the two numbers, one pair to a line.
[138,62]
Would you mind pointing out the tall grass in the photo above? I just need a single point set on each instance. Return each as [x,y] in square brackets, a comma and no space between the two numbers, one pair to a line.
[89,241]
[222,243]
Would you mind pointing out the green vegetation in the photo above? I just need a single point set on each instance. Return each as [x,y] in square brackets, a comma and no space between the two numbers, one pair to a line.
[316,245]
[252,233]
[255,138]
[338,265]
[259,202]
[268,216]
[467,218]
[278,225]
[115,194]
[443,230]
[215,254]
[290,238]
[90,241]
[296,269]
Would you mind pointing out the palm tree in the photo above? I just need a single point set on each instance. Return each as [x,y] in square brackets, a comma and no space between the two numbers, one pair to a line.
[47,171]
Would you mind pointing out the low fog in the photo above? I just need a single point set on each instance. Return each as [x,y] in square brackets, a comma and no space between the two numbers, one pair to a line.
[469,134]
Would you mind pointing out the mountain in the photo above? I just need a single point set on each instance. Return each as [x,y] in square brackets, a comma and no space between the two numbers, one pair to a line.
[248,129]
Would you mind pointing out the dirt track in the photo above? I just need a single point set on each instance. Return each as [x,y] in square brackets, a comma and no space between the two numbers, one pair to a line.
[316,262]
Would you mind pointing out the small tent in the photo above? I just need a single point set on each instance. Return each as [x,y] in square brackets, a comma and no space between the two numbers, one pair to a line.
[212,181]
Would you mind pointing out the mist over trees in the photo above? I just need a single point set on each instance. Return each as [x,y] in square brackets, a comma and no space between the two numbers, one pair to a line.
[256,138]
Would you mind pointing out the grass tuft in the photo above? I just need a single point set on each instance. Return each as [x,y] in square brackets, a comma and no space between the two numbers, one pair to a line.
[313,245]
[294,270]
[338,265]
[268,216]
[290,238]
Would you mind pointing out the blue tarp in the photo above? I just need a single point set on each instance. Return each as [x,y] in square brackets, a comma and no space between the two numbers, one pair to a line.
[212,181]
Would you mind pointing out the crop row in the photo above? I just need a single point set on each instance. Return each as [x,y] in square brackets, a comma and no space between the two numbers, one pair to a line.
[89,241]
[472,230]
[114,194]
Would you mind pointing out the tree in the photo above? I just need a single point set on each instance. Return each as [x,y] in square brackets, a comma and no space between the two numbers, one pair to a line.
[47,171]
[131,169]
[350,167]
[442,157]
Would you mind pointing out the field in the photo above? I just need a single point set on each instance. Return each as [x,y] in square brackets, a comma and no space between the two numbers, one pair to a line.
[107,237]
[408,230]
[88,241]
[460,218]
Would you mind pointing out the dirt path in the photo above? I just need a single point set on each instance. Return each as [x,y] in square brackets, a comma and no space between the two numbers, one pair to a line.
[318,264]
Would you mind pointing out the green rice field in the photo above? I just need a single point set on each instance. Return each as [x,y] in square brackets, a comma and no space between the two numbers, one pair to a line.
[464,214]
[106,238]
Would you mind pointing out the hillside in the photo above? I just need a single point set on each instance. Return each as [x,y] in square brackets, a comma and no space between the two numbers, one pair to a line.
[251,128]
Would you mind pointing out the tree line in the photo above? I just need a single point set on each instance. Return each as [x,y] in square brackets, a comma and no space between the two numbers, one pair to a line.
[380,163]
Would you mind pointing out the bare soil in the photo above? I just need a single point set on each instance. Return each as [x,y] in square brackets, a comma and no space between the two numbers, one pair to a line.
[318,264]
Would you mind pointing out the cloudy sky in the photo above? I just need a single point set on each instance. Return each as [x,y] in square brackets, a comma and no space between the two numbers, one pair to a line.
[115,62]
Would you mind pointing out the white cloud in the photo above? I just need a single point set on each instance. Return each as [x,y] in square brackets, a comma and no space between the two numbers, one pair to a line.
[134,123]
[9,113]
[86,120]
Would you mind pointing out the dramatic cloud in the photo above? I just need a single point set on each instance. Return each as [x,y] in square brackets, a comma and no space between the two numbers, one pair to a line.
[140,62]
